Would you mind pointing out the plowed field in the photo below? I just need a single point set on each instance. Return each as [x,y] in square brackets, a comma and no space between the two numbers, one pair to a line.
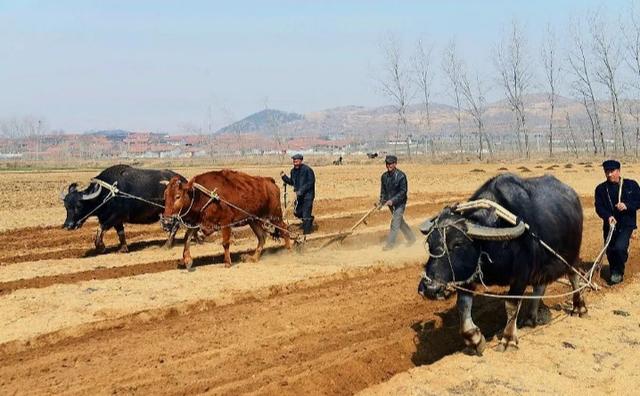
[333,319]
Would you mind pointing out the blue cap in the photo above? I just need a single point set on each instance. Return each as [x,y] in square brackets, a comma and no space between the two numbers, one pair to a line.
[611,164]
[297,156]
[390,159]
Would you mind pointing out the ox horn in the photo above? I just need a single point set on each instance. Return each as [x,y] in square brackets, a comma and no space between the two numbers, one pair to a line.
[493,233]
[164,182]
[88,197]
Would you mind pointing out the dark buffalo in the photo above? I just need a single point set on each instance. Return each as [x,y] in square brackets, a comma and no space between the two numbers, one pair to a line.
[467,247]
[372,155]
[114,212]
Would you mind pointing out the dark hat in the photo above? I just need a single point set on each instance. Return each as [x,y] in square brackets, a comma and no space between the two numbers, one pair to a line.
[390,159]
[611,164]
[297,156]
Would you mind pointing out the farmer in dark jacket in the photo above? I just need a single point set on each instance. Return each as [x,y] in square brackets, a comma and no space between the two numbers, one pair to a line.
[393,193]
[616,202]
[303,181]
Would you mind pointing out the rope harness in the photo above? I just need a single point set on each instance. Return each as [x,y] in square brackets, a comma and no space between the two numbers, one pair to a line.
[214,196]
[478,274]
[114,192]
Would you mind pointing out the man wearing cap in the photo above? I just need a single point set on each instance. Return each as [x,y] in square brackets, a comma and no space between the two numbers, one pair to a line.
[393,193]
[303,181]
[616,202]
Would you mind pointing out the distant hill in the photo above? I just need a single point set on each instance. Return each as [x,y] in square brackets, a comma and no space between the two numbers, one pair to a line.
[115,134]
[266,119]
[362,123]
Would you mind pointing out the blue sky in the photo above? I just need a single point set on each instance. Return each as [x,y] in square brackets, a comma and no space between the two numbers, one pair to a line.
[159,65]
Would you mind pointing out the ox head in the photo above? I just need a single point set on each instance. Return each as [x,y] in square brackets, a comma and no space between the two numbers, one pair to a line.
[454,244]
[177,200]
[79,204]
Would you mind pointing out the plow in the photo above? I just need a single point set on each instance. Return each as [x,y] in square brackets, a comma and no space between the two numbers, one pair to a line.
[338,237]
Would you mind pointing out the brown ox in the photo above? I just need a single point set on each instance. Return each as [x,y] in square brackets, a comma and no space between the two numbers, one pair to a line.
[241,199]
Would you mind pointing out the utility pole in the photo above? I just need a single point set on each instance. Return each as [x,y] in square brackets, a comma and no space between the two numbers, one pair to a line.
[38,140]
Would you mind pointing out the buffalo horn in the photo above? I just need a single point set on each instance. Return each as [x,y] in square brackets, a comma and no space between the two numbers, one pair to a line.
[164,182]
[87,197]
[493,233]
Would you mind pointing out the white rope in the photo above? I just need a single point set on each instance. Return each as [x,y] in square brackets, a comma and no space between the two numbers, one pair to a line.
[578,290]
[117,192]
[214,196]
[505,214]
[478,272]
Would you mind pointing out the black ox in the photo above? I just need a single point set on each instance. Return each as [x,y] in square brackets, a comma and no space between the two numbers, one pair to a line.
[114,211]
[470,246]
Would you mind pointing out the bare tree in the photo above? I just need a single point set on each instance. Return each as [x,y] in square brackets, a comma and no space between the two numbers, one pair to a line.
[583,87]
[515,76]
[395,84]
[571,139]
[607,52]
[552,72]
[474,94]
[634,112]
[452,67]
[424,74]
[631,35]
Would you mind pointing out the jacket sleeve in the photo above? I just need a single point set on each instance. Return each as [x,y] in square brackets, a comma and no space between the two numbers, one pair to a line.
[633,199]
[307,182]
[603,209]
[402,190]
[383,190]
[287,180]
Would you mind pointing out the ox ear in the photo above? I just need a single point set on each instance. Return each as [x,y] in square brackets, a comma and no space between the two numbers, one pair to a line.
[90,196]
[476,231]
[63,194]
[164,182]
[427,226]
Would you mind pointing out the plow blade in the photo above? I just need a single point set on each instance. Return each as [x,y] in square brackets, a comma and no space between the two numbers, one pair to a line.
[338,237]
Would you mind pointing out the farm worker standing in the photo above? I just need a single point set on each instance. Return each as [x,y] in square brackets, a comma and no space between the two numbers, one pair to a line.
[303,181]
[616,202]
[393,193]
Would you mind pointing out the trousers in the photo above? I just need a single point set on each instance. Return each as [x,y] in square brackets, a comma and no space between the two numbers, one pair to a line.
[618,250]
[304,207]
[398,224]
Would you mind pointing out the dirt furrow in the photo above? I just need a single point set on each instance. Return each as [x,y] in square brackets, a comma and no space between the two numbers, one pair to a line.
[341,337]
[39,243]
[308,339]
[327,225]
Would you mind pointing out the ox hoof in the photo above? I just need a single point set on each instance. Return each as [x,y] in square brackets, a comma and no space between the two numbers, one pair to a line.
[543,317]
[227,265]
[479,349]
[505,345]
[580,312]
[123,249]
[529,322]
[187,263]
[100,249]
